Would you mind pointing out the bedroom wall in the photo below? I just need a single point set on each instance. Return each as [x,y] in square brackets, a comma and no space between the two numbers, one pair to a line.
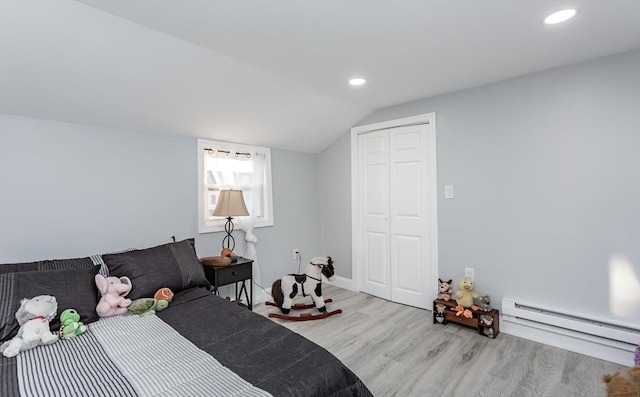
[334,178]
[546,175]
[71,190]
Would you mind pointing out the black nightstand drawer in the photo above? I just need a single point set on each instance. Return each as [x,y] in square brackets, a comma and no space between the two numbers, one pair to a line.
[234,273]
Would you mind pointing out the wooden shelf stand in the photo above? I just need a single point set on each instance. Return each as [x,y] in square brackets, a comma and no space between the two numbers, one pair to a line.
[490,331]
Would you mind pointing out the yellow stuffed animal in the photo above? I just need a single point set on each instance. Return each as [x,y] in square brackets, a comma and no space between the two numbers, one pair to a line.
[623,384]
[465,297]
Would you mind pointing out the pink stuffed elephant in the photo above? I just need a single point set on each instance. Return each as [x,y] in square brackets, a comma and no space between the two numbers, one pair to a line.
[113,290]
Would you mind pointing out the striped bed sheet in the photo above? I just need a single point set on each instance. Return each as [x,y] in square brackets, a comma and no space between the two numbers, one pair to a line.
[127,356]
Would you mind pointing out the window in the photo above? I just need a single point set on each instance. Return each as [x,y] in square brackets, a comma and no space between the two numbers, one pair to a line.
[223,165]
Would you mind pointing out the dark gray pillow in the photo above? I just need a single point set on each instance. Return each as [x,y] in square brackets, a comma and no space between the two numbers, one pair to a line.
[55,264]
[72,288]
[172,265]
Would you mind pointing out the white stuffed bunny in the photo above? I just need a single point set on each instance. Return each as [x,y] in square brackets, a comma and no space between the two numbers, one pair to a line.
[33,316]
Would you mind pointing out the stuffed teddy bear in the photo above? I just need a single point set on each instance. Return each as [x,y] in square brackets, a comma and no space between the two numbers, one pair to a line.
[33,316]
[465,297]
[484,301]
[440,308]
[487,322]
[70,324]
[113,290]
[623,384]
[444,290]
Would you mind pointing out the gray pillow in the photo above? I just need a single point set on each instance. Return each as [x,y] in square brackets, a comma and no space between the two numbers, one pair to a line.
[172,265]
[56,264]
[72,288]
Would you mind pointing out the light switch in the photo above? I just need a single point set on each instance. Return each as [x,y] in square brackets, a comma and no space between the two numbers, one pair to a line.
[448,191]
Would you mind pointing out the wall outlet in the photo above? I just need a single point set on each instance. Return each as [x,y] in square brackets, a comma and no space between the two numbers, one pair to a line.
[296,254]
[468,272]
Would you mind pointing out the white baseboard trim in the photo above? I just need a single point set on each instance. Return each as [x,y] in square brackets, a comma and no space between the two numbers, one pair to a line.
[588,348]
[343,282]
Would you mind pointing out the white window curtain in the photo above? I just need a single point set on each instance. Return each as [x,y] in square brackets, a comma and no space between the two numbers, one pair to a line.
[253,200]
[231,166]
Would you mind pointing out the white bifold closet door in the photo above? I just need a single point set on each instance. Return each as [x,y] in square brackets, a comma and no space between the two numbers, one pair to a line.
[394,239]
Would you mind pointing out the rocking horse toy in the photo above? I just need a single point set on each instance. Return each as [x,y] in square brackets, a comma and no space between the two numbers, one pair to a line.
[308,284]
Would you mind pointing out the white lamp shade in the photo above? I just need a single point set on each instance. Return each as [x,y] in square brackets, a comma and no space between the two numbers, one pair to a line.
[230,203]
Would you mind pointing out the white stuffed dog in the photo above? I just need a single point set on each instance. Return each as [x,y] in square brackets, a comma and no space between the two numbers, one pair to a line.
[33,316]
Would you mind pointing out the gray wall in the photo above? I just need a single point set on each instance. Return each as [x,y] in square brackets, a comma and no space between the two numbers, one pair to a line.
[74,190]
[546,174]
[296,208]
[334,174]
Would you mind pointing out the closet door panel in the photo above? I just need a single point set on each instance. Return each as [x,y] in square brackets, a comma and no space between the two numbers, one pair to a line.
[377,266]
[406,191]
[408,209]
[408,274]
[374,240]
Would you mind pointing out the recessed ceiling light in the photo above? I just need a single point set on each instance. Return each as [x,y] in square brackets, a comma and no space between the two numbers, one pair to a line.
[357,81]
[559,16]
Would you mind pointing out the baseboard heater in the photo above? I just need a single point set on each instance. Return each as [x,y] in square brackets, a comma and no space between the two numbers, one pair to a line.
[618,336]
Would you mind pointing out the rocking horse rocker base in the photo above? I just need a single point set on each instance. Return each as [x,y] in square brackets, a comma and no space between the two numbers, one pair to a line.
[303,316]
[308,284]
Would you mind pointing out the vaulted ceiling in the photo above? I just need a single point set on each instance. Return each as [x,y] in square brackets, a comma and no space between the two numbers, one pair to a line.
[273,72]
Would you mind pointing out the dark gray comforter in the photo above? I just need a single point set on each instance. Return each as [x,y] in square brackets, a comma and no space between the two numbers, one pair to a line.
[262,352]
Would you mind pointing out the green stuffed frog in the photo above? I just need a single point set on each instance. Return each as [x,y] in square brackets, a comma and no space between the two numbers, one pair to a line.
[70,324]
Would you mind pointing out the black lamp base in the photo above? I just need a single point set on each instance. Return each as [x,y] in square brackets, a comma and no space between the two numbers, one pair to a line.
[228,240]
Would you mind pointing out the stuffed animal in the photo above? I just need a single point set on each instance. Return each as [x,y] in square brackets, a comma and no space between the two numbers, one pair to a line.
[487,322]
[484,301]
[444,290]
[164,294]
[623,384]
[464,298]
[33,316]
[70,324]
[146,306]
[440,308]
[113,290]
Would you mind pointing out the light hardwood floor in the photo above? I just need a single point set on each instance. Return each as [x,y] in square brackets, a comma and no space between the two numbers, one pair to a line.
[397,351]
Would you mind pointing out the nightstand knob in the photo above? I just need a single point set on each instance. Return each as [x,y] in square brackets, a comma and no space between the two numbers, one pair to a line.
[234,273]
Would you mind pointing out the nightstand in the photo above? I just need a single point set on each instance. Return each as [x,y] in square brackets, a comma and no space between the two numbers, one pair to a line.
[238,272]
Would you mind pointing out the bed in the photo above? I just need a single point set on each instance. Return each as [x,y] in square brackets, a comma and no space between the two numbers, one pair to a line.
[201,345]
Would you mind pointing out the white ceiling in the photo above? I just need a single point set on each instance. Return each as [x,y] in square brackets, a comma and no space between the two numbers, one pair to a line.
[275,72]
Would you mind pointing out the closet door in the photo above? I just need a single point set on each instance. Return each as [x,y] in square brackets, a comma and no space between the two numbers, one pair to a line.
[374,241]
[394,239]
[408,216]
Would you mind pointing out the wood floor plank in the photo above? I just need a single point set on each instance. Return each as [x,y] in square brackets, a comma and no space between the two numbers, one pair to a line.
[397,351]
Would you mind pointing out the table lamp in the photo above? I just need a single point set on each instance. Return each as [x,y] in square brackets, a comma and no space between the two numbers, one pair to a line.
[230,204]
